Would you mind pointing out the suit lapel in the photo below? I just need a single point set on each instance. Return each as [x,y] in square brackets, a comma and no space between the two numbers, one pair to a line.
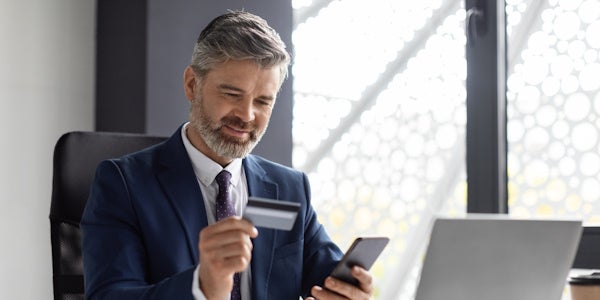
[178,180]
[260,185]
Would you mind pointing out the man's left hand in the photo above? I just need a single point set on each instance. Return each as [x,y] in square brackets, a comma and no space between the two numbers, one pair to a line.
[337,289]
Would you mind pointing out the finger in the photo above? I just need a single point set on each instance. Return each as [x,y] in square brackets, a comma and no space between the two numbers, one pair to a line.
[345,289]
[224,251]
[364,278]
[233,258]
[226,244]
[248,226]
[237,263]
[231,223]
[223,238]
[324,294]
[231,249]
[220,234]
[218,250]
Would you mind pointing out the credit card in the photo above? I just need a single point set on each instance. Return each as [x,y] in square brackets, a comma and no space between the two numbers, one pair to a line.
[274,214]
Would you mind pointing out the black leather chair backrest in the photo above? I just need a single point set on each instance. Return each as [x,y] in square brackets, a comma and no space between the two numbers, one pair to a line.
[76,156]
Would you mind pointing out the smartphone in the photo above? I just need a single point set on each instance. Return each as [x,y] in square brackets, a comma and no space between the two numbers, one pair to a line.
[363,252]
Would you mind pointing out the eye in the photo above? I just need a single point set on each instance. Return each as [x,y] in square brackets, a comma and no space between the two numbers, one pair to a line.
[263,102]
[231,95]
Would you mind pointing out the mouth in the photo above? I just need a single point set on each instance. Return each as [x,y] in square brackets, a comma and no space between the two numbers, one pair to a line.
[236,133]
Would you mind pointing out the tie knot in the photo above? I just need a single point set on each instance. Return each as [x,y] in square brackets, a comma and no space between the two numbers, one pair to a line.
[223,178]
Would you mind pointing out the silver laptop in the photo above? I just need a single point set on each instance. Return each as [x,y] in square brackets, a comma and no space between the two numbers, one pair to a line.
[494,257]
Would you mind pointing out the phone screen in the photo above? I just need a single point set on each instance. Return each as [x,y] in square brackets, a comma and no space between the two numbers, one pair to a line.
[363,252]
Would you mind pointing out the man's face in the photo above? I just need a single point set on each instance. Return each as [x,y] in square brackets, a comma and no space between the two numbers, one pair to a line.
[230,108]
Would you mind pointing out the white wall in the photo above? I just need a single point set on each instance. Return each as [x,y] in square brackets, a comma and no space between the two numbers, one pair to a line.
[46,89]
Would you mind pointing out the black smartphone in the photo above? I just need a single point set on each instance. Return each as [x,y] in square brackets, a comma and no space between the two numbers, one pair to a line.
[363,252]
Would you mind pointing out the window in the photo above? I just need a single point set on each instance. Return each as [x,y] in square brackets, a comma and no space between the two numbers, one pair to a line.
[379,122]
[554,108]
[380,118]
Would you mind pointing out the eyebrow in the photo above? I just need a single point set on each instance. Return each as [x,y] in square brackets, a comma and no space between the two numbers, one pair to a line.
[225,86]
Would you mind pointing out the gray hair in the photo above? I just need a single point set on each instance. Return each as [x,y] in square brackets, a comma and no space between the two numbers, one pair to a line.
[239,35]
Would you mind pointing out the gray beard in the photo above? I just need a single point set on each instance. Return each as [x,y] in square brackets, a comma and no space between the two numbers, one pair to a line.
[220,143]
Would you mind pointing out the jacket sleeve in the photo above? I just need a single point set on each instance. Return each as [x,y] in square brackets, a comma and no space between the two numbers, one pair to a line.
[115,260]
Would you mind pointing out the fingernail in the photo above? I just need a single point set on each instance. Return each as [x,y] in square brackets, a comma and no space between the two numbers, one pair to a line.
[330,282]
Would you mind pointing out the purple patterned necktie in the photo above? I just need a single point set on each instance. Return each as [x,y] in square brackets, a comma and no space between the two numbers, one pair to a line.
[225,208]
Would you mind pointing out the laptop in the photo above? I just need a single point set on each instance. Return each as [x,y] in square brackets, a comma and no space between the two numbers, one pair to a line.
[496,257]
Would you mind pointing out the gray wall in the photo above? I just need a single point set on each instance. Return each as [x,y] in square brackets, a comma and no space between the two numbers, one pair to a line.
[46,89]
[173,27]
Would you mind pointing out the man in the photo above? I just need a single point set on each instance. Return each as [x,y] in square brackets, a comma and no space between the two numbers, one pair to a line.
[154,226]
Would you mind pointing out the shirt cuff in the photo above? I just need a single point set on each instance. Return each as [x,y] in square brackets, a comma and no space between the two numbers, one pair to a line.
[196,292]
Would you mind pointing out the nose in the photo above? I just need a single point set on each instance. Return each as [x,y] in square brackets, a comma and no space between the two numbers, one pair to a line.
[245,110]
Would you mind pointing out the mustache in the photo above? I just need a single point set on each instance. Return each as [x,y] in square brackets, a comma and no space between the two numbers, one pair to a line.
[236,122]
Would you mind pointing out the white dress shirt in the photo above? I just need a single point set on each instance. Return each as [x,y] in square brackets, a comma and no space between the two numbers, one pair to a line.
[206,170]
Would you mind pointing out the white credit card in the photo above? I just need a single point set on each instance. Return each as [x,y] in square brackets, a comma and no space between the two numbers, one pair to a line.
[274,214]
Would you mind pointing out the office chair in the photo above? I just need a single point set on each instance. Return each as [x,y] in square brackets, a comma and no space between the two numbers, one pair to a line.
[76,156]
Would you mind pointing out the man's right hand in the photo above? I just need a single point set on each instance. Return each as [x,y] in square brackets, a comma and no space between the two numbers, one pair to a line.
[224,248]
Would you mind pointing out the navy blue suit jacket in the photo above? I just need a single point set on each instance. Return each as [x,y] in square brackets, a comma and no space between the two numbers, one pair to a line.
[144,214]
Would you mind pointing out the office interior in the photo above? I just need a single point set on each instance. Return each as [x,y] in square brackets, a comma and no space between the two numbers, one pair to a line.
[367,90]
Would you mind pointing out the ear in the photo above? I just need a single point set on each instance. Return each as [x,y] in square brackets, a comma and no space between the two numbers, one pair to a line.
[189,83]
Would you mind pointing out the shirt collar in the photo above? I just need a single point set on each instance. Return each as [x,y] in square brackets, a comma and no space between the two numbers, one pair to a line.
[205,168]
